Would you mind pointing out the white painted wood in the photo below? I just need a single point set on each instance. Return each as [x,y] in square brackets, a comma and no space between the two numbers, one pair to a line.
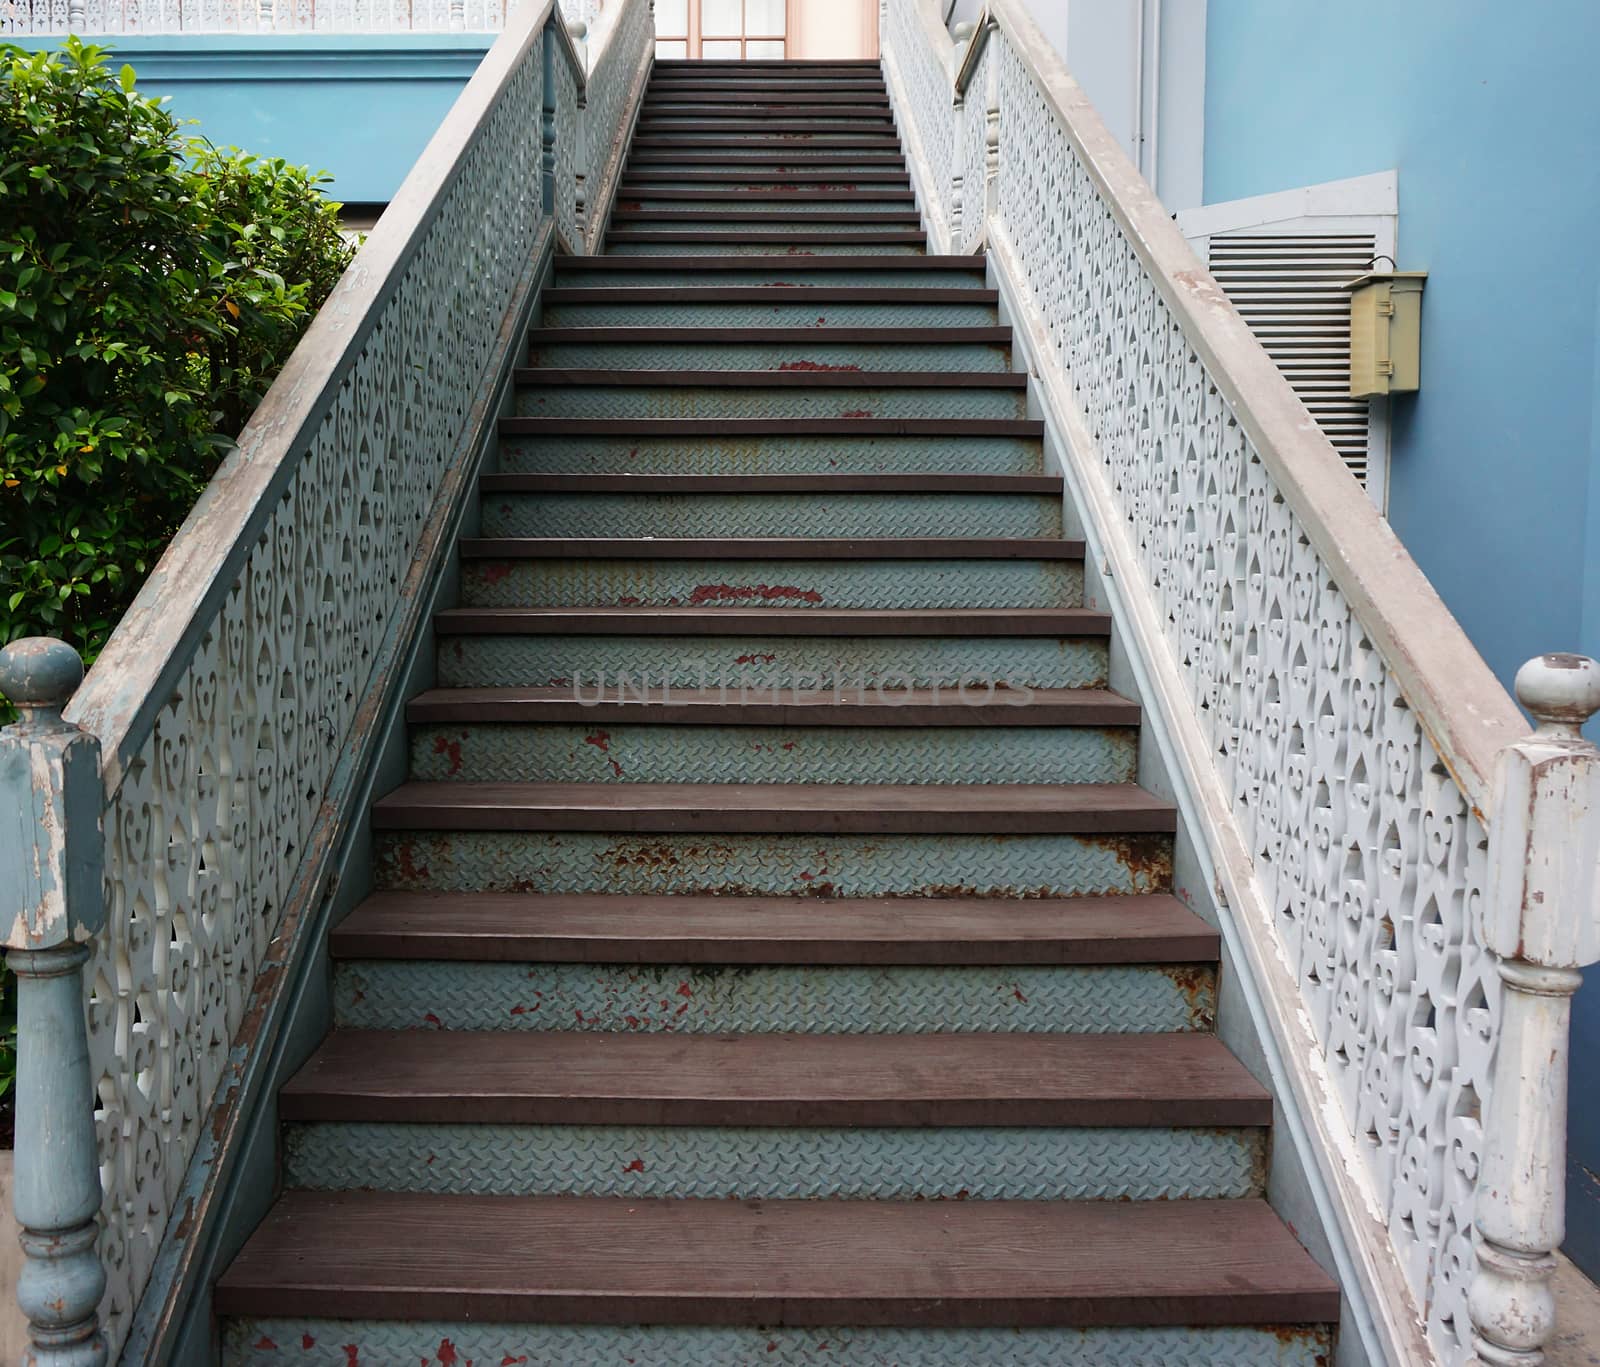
[1541,920]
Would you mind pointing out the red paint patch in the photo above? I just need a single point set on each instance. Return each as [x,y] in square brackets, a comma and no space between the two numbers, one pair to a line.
[857,413]
[1017,993]
[446,1353]
[743,593]
[636,1166]
[443,745]
[352,1355]
[433,1020]
[684,990]
[632,1022]
[815,366]
[601,740]
[787,745]
[410,870]
[266,1345]
[519,1010]
[753,659]
[493,571]
[307,1343]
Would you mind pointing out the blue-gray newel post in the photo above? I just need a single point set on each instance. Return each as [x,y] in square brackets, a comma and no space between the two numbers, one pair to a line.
[51,906]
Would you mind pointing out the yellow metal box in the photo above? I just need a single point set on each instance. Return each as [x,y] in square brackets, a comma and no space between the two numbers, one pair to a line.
[1385,333]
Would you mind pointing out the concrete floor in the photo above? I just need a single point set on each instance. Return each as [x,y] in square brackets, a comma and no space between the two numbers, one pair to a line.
[1577,1340]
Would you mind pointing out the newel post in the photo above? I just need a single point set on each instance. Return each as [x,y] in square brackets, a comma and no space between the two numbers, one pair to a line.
[1541,920]
[547,123]
[51,906]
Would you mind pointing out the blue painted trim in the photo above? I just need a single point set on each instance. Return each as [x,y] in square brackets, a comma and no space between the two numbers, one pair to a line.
[209,58]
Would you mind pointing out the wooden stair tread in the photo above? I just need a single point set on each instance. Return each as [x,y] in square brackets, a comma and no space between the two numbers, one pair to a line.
[768,294]
[805,337]
[777,706]
[1059,623]
[558,1077]
[623,265]
[770,548]
[758,427]
[512,927]
[909,237]
[623,482]
[358,1255]
[882,808]
[573,378]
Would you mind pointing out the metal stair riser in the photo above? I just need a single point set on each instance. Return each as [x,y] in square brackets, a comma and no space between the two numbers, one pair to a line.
[783,245]
[771,454]
[800,514]
[841,179]
[839,134]
[774,276]
[370,1343]
[796,584]
[690,312]
[776,999]
[773,864]
[648,664]
[741,401]
[862,200]
[976,358]
[1153,1164]
[613,753]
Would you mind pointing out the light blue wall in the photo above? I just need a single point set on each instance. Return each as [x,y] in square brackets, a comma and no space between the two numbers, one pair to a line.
[362,106]
[1491,113]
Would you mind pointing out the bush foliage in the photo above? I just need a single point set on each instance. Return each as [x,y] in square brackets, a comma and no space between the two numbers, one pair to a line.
[150,288]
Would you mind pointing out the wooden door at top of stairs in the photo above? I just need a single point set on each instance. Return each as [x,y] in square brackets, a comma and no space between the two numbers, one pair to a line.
[766,30]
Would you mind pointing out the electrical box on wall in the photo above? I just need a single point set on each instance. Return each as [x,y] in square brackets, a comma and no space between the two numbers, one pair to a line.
[1385,333]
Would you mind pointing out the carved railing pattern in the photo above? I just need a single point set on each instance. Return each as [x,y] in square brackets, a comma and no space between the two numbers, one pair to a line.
[920,67]
[87,17]
[1356,767]
[620,48]
[244,674]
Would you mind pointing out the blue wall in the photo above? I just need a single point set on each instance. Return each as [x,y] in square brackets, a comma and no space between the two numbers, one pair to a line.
[362,106]
[1491,114]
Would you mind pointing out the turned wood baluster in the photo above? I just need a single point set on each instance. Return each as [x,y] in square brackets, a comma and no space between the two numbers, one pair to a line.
[1541,920]
[51,906]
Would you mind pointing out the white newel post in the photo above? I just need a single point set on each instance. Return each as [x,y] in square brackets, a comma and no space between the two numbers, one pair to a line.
[1541,920]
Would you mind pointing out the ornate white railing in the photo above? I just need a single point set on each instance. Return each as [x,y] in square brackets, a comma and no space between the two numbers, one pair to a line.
[232,707]
[1336,730]
[94,17]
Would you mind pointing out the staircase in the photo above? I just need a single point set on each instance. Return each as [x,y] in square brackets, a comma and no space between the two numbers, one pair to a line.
[772,955]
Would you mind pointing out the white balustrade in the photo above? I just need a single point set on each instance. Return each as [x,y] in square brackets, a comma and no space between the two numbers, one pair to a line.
[1337,729]
[234,703]
[90,18]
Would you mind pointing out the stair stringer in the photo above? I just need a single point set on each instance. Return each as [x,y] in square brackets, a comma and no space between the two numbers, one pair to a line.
[232,1178]
[1317,1177]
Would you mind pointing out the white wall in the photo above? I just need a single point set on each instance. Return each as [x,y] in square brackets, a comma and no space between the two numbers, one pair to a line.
[1142,62]
[834,30]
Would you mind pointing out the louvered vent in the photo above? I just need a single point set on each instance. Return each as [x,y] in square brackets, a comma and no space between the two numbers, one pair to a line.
[1287,286]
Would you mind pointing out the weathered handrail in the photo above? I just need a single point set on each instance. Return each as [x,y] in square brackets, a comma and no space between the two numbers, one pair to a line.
[1337,732]
[235,706]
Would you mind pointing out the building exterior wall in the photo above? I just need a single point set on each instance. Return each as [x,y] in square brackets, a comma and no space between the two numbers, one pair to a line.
[1490,113]
[361,106]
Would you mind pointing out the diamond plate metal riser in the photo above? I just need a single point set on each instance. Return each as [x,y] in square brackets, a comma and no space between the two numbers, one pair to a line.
[371,1343]
[775,275]
[839,178]
[791,584]
[967,357]
[765,663]
[778,1164]
[705,999]
[783,246]
[866,204]
[688,313]
[774,864]
[771,454]
[706,515]
[709,144]
[675,401]
[499,753]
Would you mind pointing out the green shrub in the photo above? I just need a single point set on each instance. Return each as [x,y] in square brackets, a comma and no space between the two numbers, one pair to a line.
[151,286]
